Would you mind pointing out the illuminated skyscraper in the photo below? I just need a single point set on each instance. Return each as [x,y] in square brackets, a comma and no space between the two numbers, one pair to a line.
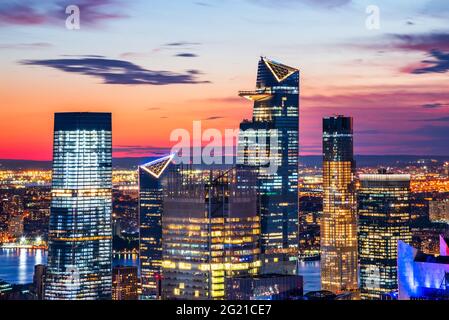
[124,283]
[150,215]
[80,235]
[383,220]
[210,231]
[339,221]
[270,142]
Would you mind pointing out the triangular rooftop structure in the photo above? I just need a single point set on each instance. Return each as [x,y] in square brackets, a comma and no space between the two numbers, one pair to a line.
[280,71]
[157,167]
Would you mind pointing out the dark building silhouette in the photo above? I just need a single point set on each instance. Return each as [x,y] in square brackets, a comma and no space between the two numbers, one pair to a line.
[40,272]
[265,287]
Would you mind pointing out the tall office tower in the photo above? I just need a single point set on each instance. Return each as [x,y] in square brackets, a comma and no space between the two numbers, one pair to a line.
[383,220]
[80,231]
[124,283]
[150,215]
[339,221]
[210,231]
[270,142]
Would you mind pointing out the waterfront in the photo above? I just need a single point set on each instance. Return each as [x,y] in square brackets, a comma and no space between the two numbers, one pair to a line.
[17,266]
[310,270]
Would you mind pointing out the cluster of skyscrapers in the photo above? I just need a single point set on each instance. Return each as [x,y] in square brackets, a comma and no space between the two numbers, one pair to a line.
[361,225]
[217,232]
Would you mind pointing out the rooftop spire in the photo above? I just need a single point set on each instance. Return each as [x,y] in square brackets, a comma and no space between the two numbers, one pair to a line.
[157,167]
[280,71]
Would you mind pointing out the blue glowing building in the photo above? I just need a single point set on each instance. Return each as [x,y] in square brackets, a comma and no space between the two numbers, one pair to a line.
[423,276]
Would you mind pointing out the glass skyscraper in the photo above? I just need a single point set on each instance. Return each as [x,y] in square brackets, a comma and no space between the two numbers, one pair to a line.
[150,224]
[383,220]
[338,230]
[270,142]
[211,231]
[80,235]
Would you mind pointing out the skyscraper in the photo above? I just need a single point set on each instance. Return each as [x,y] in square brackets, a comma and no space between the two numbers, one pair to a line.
[210,231]
[80,235]
[339,222]
[150,224]
[270,142]
[124,283]
[383,220]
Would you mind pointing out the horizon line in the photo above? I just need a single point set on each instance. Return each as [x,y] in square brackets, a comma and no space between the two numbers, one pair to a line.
[309,155]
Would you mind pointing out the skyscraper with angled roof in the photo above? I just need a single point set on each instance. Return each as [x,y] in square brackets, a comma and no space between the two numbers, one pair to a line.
[150,225]
[269,141]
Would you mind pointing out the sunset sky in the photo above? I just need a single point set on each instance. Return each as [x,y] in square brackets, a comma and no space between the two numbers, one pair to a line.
[157,65]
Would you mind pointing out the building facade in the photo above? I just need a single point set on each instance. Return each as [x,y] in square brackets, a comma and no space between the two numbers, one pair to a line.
[439,211]
[265,287]
[338,228]
[269,141]
[150,226]
[124,283]
[383,220]
[210,231]
[80,230]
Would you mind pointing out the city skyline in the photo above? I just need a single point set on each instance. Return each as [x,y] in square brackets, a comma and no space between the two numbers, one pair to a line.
[391,80]
[168,182]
